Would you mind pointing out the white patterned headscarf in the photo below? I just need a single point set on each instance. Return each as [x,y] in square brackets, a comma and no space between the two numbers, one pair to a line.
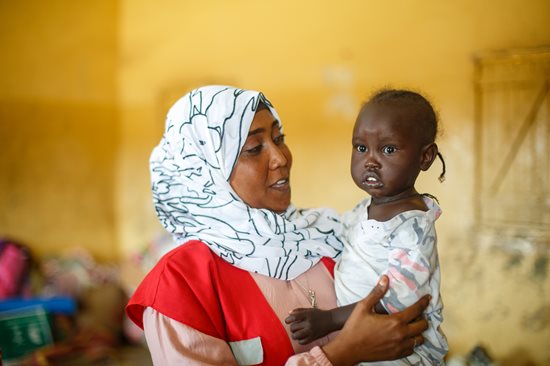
[190,170]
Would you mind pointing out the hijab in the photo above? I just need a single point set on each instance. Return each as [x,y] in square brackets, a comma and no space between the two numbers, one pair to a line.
[190,170]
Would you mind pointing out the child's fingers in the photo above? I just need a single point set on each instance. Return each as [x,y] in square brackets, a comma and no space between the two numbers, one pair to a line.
[298,310]
[300,335]
[296,327]
[296,315]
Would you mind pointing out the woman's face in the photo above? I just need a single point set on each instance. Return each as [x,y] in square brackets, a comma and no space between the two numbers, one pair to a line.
[261,175]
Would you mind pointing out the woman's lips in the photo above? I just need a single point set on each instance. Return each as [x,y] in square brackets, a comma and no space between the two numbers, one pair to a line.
[281,185]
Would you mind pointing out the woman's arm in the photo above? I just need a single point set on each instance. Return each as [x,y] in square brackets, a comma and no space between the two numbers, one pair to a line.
[366,336]
[173,343]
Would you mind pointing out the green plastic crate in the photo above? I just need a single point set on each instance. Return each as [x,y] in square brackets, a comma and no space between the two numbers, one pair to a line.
[23,331]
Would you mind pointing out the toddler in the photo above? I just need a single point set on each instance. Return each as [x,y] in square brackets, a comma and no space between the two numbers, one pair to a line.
[391,232]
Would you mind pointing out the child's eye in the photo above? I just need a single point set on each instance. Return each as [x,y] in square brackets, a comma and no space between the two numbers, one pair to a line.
[279,139]
[361,148]
[389,149]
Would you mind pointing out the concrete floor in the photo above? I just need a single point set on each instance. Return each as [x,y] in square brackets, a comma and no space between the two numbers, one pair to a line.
[132,356]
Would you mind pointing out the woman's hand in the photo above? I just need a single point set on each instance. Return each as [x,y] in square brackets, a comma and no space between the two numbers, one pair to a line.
[368,336]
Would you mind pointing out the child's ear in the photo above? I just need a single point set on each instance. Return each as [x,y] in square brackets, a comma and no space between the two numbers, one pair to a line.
[428,155]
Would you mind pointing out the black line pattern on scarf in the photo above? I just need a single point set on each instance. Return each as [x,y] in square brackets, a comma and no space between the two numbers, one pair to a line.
[190,170]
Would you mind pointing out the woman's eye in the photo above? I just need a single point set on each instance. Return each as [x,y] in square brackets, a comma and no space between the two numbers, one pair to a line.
[254,150]
[389,149]
[279,139]
[361,148]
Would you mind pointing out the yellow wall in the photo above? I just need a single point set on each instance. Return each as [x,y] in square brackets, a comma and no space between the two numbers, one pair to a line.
[58,124]
[316,61]
[107,74]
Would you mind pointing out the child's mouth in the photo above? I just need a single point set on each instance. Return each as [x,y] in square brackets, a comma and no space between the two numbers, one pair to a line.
[372,181]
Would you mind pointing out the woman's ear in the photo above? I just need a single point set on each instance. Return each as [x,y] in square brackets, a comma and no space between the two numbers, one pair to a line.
[428,155]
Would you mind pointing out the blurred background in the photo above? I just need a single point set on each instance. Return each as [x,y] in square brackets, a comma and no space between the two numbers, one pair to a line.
[85,86]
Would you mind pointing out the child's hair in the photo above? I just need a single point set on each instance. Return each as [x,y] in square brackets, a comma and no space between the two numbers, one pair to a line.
[426,118]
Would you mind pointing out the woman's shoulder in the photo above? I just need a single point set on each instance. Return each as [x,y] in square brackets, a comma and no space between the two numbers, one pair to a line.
[188,274]
[180,261]
[192,263]
[191,253]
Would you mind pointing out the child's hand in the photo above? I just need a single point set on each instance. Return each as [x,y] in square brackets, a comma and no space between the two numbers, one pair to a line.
[310,324]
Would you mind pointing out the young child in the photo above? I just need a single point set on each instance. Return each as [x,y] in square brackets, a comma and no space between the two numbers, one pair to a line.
[391,232]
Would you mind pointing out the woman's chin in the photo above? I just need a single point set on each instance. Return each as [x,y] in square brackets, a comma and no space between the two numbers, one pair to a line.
[280,206]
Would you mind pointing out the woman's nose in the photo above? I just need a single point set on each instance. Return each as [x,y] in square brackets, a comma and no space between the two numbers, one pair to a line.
[278,158]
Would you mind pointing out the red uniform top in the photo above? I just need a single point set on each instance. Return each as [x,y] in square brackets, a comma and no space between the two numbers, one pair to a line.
[196,287]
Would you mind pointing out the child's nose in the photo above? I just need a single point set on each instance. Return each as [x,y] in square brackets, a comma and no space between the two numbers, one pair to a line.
[371,162]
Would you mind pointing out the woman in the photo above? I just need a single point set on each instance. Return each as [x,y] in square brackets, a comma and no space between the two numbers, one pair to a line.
[220,180]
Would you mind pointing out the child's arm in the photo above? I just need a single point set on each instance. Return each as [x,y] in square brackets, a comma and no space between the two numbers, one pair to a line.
[310,324]
[411,263]
[413,270]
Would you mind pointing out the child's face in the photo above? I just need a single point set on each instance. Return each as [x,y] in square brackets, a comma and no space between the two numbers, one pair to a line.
[387,150]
